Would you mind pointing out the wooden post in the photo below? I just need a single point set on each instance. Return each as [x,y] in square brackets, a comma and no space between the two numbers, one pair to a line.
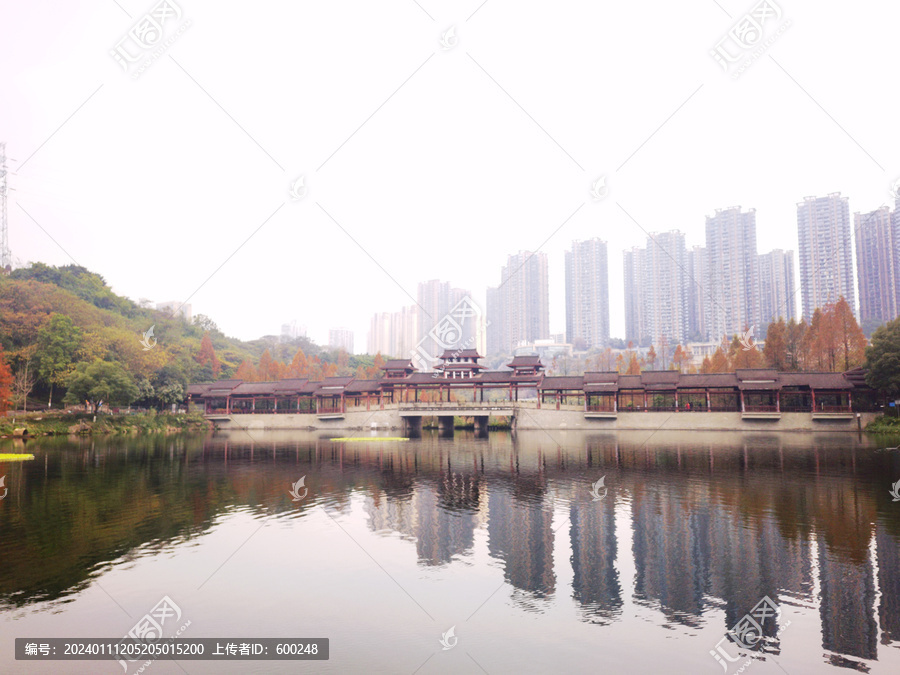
[742,400]
[707,401]
[778,401]
[558,396]
[813,392]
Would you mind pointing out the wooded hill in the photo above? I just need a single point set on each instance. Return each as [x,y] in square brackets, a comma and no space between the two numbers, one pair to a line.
[57,323]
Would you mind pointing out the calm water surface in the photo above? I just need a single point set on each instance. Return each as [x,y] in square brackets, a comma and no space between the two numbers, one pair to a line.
[501,538]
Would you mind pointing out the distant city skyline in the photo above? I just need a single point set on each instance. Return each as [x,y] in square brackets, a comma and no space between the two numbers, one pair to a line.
[425,163]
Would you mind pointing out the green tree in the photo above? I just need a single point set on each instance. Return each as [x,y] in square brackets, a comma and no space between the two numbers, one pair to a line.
[883,358]
[58,342]
[101,382]
[170,393]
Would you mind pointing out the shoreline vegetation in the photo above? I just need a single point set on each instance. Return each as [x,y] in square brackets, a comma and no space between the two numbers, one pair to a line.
[64,424]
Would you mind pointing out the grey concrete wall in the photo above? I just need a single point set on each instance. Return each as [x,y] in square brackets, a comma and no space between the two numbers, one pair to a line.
[532,418]
[693,421]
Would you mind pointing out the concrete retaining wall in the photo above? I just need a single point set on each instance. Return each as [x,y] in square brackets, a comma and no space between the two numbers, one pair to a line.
[532,418]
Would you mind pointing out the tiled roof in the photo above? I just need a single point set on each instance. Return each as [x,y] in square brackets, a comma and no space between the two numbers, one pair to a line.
[363,386]
[254,389]
[398,364]
[526,361]
[291,385]
[460,353]
[561,382]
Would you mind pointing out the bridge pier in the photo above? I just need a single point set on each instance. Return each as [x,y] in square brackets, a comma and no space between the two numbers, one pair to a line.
[481,425]
[412,426]
[445,425]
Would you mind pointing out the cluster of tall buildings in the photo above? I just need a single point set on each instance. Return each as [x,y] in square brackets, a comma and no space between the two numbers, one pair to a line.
[676,294]
[726,287]
[400,333]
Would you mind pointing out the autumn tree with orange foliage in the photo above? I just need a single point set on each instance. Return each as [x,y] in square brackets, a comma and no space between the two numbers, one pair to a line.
[246,372]
[634,366]
[681,359]
[775,350]
[739,356]
[851,341]
[6,382]
[207,357]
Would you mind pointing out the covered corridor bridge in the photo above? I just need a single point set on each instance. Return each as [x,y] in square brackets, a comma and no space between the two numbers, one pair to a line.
[459,385]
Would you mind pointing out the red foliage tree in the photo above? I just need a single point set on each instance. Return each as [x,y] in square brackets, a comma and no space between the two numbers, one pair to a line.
[207,355]
[6,382]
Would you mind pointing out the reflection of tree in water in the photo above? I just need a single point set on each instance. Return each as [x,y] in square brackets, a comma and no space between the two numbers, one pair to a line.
[731,520]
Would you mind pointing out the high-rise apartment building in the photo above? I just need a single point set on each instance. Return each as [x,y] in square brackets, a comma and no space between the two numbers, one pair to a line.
[732,269]
[393,334]
[494,321]
[587,294]
[698,294]
[635,330]
[522,301]
[341,338]
[826,257]
[433,300]
[656,290]
[777,299]
[878,266]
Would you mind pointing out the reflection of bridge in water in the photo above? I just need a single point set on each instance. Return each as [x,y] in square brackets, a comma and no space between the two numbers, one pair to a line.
[412,413]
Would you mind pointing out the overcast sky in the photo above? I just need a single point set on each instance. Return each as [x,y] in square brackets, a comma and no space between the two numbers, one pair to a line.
[421,161]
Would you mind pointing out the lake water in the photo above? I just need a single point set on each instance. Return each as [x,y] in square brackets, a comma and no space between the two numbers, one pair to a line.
[508,540]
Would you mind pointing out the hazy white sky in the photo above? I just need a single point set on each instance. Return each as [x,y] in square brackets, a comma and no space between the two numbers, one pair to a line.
[421,162]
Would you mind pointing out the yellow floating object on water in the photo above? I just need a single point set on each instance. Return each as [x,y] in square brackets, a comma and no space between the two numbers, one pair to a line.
[14,456]
[382,439]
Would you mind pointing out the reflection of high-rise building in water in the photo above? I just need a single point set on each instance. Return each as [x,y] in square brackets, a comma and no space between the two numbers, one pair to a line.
[441,533]
[440,520]
[751,558]
[671,552]
[595,581]
[847,603]
[520,533]
[888,552]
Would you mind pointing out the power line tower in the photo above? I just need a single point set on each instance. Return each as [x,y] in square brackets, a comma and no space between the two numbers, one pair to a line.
[5,257]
